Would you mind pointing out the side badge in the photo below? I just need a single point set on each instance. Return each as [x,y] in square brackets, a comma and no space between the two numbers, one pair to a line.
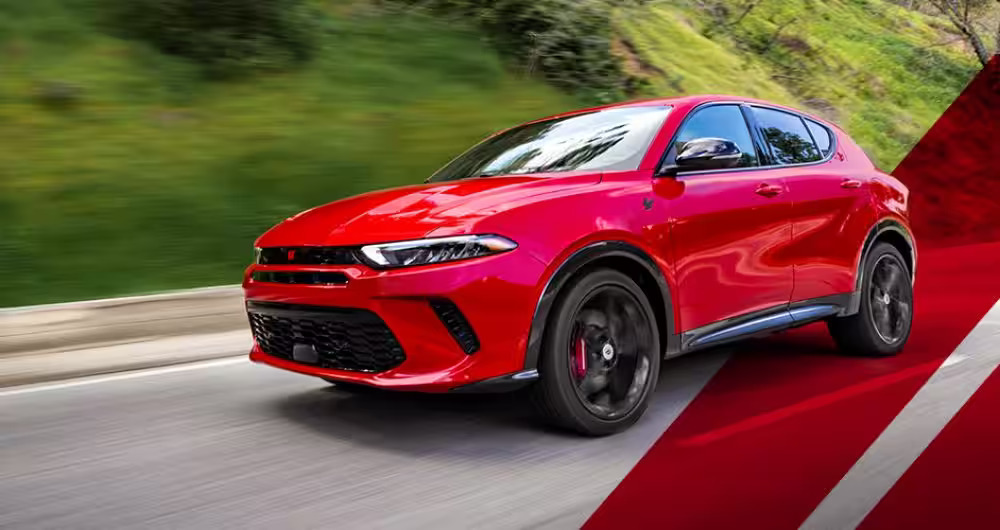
[647,204]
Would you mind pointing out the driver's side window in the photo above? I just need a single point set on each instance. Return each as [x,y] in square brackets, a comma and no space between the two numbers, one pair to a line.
[717,121]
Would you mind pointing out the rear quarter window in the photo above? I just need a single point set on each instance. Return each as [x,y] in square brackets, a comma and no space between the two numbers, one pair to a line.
[822,135]
[787,136]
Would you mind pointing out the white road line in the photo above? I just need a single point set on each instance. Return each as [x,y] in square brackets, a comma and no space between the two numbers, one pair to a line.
[913,429]
[133,374]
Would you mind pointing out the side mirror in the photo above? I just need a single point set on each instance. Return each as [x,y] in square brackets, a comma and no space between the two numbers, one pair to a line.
[705,153]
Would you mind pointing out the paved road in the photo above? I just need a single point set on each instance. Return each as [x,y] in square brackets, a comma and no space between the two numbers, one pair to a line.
[238,445]
[229,444]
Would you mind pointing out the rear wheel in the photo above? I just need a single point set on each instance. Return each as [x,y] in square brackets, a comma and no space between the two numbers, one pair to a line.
[600,359]
[882,324]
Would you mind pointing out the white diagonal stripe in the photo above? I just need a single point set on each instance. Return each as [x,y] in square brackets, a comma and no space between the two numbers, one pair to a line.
[913,429]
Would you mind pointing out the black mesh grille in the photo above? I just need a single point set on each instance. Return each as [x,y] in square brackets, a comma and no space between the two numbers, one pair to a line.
[344,339]
[308,256]
[456,323]
[300,277]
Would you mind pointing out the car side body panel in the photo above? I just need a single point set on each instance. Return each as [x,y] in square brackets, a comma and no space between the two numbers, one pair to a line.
[730,244]
[832,213]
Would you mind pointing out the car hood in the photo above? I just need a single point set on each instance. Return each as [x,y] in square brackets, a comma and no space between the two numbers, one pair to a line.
[412,212]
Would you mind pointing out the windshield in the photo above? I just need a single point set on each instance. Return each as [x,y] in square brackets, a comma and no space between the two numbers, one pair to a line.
[605,140]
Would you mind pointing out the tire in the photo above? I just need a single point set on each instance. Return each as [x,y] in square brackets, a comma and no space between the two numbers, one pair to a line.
[576,361]
[866,332]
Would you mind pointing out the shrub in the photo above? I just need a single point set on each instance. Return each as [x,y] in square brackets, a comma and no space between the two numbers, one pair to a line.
[568,42]
[58,95]
[226,36]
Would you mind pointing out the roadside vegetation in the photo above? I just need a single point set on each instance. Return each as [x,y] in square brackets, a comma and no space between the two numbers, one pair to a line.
[883,72]
[145,144]
[124,169]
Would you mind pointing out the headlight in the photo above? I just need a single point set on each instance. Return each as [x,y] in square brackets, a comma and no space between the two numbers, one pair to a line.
[435,250]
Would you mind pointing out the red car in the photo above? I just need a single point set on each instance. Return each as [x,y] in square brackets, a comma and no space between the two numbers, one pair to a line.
[576,252]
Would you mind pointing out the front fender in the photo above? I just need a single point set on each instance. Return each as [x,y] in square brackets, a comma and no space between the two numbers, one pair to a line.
[577,261]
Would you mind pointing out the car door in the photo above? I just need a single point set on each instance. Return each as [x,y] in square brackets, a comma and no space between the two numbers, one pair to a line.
[728,229]
[830,208]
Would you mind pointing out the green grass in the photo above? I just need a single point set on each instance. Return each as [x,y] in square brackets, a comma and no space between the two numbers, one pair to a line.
[869,65]
[158,179]
[690,63]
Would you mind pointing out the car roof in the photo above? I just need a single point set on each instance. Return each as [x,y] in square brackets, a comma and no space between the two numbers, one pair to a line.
[693,100]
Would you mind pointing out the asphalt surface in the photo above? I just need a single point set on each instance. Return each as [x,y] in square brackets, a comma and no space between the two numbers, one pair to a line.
[237,445]
[229,444]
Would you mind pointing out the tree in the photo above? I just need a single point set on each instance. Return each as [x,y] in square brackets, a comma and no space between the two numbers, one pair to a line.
[963,14]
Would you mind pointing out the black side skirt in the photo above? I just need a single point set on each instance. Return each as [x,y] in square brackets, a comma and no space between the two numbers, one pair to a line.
[767,321]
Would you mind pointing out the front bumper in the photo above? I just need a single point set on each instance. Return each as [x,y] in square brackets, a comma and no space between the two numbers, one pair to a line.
[496,296]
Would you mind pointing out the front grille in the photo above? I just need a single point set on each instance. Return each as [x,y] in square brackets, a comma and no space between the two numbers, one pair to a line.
[457,325]
[343,339]
[308,256]
[301,277]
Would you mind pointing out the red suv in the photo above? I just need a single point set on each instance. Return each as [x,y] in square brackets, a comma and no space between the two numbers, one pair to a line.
[576,252]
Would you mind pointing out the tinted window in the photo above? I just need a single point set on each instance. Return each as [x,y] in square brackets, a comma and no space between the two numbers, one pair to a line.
[718,121]
[607,140]
[787,135]
[822,136]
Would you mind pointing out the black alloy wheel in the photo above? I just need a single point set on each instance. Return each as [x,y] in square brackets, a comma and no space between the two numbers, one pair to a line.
[890,299]
[601,357]
[609,366]
[882,324]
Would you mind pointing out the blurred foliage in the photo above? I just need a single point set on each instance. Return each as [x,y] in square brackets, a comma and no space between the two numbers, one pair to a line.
[228,37]
[158,178]
[566,42]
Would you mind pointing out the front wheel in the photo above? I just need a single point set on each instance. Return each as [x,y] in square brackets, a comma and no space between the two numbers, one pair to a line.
[601,355]
[882,324]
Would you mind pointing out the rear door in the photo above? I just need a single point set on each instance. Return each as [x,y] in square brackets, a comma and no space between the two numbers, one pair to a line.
[729,229]
[830,209]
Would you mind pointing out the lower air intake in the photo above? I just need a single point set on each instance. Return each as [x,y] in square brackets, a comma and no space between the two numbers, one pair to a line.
[355,340]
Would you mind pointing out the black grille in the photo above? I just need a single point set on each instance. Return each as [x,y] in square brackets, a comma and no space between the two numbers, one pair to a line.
[301,277]
[308,256]
[343,339]
[456,323]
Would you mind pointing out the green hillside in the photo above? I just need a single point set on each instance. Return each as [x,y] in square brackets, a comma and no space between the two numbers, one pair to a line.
[873,67]
[125,170]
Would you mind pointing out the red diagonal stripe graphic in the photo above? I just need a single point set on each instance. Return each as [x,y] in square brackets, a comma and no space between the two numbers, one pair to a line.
[784,420]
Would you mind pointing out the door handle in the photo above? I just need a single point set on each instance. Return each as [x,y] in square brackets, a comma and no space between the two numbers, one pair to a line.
[768,190]
[850,184]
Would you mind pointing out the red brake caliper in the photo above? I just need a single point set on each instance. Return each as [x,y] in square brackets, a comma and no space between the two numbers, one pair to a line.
[580,358]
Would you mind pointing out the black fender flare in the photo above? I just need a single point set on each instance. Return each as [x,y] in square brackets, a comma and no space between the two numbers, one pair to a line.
[881,227]
[576,262]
